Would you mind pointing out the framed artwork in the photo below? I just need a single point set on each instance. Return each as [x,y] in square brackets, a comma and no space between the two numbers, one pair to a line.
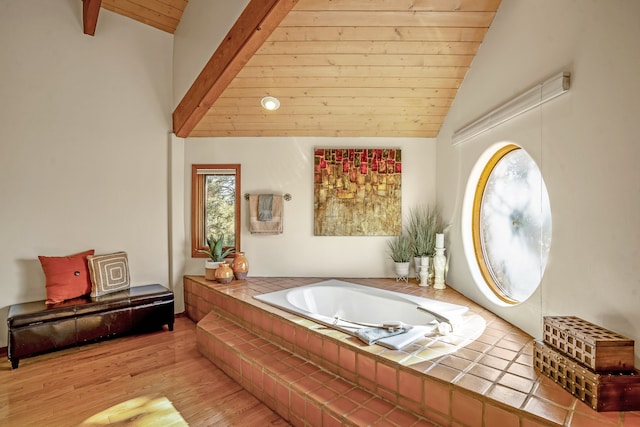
[357,191]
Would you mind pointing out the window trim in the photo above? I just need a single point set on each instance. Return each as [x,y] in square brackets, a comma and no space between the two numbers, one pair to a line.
[198,207]
[475,223]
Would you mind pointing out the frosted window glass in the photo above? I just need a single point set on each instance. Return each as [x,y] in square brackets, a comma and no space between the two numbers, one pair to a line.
[515,225]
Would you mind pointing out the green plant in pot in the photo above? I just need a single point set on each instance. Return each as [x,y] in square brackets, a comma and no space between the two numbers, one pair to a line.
[216,255]
[423,224]
[401,253]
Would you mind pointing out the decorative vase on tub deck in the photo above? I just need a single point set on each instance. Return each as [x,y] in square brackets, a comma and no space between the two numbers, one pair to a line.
[240,266]
[224,273]
[210,268]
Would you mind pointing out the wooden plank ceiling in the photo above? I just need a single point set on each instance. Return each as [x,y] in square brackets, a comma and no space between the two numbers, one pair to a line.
[162,14]
[386,68]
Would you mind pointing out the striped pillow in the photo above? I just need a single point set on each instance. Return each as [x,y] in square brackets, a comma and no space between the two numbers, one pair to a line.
[109,273]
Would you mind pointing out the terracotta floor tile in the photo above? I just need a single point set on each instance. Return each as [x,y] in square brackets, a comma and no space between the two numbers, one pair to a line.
[297,404]
[444,373]
[478,346]
[357,395]
[363,416]
[379,406]
[366,367]
[387,376]
[490,337]
[424,423]
[503,353]
[631,419]
[313,414]
[526,371]
[339,385]
[494,416]
[421,365]
[494,362]
[303,385]
[549,390]
[547,410]
[383,422]
[329,420]
[506,395]
[486,372]
[342,405]
[473,383]
[322,394]
[347,358]
[468,354]
[410,385]
[583,420]
[454,361]
[513,342]
[401,418]
[322,377]
[397,356]
[437,395]
[521,384]
[466,409]
[609,417]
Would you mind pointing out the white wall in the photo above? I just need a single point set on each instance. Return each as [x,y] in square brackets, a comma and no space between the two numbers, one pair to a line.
[203,25]
[285,165]
[84,133]
[585,143]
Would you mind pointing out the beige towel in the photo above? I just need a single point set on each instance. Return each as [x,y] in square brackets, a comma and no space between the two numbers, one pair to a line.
[266,227]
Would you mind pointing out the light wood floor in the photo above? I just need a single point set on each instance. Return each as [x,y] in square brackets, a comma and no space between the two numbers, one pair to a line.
[156,379]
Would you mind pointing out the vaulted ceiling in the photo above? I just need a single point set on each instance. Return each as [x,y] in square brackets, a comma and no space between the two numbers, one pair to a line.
[338,67]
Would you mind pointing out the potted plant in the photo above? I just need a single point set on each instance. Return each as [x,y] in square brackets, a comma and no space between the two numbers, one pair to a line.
[216,255]
[424,222]
[401,253]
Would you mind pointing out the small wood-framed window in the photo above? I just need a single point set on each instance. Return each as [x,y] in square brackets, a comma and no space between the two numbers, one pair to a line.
[215,205]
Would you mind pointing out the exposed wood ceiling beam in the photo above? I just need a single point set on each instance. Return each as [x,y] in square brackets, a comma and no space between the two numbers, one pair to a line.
[253,27]
[90,11]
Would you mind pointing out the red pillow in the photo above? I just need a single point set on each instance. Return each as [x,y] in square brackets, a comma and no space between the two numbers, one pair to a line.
[66,276]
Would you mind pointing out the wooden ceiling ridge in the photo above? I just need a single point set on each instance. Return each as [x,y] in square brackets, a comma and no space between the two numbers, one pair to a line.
[90,12]
[253,27]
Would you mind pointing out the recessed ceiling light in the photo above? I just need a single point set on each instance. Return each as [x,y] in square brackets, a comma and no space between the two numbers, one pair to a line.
[270,103]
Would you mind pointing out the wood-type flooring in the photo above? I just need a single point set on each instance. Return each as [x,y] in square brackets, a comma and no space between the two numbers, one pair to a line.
[155,379]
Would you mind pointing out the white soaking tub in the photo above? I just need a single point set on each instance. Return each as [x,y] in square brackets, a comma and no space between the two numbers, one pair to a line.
[349,307]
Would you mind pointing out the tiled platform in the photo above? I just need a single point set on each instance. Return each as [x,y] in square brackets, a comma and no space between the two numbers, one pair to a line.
[300,391]
[488,382]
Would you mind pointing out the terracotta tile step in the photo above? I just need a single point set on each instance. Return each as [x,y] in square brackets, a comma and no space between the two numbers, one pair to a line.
[298,390]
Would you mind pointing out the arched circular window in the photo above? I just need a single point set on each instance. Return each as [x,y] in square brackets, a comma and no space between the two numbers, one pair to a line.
[511,222]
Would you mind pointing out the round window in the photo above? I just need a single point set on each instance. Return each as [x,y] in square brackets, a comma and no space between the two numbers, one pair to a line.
[511,221]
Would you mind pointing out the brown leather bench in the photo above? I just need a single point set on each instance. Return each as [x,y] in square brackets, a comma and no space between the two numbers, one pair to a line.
[35,327]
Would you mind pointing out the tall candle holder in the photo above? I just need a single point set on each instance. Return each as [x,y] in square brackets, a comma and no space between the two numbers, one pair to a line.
[424,271]
[439,262]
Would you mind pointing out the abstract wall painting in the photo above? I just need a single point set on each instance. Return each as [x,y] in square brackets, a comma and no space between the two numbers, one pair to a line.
[357,191]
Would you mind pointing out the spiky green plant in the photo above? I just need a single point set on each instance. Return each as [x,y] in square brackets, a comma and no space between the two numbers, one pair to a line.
[423,224]
[400,248]
[215,249]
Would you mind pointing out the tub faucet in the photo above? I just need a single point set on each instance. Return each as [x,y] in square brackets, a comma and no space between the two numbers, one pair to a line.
[439,317]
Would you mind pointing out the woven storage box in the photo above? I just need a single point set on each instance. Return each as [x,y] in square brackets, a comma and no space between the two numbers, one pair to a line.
[595,347]
[602,392]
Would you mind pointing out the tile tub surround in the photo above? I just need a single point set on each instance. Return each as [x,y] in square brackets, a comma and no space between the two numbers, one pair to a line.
[488,382]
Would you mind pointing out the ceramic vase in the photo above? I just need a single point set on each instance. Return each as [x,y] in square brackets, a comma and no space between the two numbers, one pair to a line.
[210,269]
[224,273]
[240,266]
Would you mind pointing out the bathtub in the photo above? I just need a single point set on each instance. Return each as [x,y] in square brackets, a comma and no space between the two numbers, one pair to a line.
[348,307]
